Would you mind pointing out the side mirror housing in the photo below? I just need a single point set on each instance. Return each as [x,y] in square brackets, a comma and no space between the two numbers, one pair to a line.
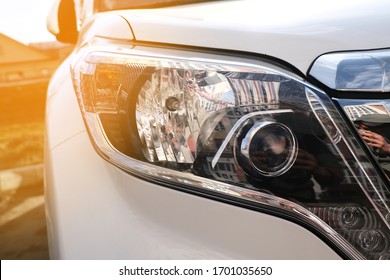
[62,21]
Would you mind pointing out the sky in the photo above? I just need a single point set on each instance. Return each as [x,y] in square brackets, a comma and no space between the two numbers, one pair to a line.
[25,20]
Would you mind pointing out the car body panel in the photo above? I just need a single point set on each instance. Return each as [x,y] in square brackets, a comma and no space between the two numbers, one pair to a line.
[62,114]
[109,25]
[294,31]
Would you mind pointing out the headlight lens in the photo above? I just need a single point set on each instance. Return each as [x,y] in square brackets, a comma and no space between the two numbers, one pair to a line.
[235,128]
[268,148]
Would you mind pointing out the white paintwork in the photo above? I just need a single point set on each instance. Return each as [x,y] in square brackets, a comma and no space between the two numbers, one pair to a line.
[61,116]
[96,211]
[107,25]
[295,31]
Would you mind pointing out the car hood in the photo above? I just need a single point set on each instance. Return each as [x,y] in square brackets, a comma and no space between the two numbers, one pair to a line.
[294,31]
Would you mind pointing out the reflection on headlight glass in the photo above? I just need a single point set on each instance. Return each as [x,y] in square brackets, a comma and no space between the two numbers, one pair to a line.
[255,127]
[354,71]
[364,74]
[371,118]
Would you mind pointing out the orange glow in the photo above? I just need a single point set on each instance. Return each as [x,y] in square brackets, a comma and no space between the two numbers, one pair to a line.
[25,71]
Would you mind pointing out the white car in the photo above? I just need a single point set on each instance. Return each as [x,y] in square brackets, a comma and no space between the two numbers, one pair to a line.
[241,129]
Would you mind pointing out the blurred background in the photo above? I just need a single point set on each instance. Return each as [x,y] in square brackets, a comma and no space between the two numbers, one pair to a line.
[29,56]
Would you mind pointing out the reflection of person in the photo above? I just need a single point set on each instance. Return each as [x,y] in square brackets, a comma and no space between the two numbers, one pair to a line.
[307,161]
[298,182]
[378,143]
[375,140]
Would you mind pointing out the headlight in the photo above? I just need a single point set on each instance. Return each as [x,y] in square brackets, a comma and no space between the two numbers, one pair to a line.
[245,131]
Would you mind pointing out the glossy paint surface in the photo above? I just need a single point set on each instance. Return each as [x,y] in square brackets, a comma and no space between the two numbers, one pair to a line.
[294,31]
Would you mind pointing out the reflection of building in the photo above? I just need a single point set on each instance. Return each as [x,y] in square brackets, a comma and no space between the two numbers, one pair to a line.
[225,169]
[356,111]
[21,64]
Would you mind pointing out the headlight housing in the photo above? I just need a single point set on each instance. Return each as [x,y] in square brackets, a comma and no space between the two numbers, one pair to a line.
[242,130]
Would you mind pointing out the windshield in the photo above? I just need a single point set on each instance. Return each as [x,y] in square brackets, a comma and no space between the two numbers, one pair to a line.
[107,5]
